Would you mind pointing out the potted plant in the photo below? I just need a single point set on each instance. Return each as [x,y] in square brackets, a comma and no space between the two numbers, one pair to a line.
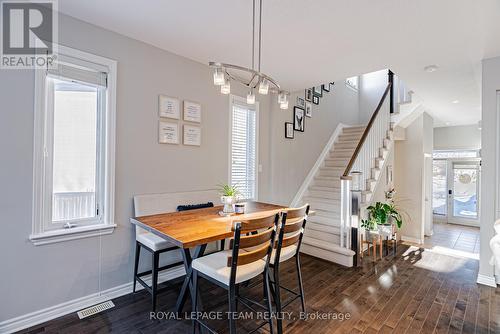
[229,196]
[384,216]
[368,225]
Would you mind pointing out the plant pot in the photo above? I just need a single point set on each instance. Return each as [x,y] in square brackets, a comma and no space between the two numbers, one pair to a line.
[385,229]
[228,202]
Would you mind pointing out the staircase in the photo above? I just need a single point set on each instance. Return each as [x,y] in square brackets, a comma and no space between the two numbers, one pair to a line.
[353,152]
[322,235]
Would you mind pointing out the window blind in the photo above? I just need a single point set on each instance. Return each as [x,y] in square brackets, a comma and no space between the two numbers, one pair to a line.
[243,150]
[79,70]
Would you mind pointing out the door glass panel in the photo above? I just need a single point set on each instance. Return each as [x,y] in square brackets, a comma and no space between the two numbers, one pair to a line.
[465,191]
[439,189]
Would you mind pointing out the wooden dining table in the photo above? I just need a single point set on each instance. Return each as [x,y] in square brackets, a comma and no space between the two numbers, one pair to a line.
[195,229]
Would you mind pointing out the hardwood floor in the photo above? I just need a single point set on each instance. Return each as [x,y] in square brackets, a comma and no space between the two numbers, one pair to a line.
[418,291]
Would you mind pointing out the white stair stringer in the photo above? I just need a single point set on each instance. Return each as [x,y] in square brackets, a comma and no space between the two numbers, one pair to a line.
[321,190]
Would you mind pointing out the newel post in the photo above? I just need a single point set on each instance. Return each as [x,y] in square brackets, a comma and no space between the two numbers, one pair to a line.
[356,190]
[391,81]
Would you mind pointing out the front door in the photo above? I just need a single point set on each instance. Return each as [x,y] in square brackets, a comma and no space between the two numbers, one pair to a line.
[455,191]
[463,192]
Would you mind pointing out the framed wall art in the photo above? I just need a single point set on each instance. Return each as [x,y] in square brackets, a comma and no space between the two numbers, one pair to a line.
[308,109]
[298,119]
[192,112]
[169,107]
[308,94]
[288,130]
[192,135]
[317,91]
[168,133]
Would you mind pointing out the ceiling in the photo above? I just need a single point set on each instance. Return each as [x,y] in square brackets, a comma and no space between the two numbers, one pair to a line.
[310,42]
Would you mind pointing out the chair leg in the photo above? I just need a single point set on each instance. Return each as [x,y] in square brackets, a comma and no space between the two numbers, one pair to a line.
[154,284]
[271,286]
[278,298]
[268,304]
[195,299]
[301,285]
[136,264]
[232,308]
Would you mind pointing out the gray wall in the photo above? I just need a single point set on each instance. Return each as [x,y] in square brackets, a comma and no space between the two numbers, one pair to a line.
[490,206]
[36,277]
[464,137]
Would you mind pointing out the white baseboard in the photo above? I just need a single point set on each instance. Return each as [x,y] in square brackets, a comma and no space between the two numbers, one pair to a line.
[412,240]
[56,311]
[319,162]
[486,280]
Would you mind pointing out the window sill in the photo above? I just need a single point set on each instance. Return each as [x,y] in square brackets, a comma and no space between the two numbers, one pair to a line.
[51,237]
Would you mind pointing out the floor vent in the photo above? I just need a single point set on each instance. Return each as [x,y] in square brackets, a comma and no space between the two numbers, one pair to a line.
[95,309]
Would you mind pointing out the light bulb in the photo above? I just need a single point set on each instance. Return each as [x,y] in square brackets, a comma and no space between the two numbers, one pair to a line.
[250,97]
[282,97]
[263,87]
[226,87]
[284,105]
[218,77]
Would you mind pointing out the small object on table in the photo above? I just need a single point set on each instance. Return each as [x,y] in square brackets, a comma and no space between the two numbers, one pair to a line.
[239,208]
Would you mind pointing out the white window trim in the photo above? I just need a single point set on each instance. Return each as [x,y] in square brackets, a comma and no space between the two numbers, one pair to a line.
[230,144]
[39,236]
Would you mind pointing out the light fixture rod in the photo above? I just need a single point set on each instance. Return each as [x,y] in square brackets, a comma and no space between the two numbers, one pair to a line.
[253,36]
[260,30]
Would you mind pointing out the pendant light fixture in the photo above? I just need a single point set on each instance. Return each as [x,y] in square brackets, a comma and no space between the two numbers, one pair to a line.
[251,78]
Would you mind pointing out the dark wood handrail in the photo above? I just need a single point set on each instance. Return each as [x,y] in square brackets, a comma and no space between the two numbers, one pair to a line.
[365,134]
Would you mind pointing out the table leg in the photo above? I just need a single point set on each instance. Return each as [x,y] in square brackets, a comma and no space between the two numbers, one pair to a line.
[186,256]
[380,246]
[374,241]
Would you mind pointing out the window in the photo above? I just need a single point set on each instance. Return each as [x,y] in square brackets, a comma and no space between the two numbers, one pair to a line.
[352,82]
[243,147]
[455,154]
[439,187]
[74,148]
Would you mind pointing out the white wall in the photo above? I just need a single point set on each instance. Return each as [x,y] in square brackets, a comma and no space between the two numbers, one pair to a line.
[372,86]
[464,137]
[409,175]
[490,152]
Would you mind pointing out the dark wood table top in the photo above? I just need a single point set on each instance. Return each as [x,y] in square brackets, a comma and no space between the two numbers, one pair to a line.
[192,228]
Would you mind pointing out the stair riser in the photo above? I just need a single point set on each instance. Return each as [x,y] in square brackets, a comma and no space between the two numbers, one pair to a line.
[348,145]
[332,218]
[357,129]
[322,236]
[323,227]
[324,194]
[350,137]
[324,183]
[331,173]
[326,207]
[342,163]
